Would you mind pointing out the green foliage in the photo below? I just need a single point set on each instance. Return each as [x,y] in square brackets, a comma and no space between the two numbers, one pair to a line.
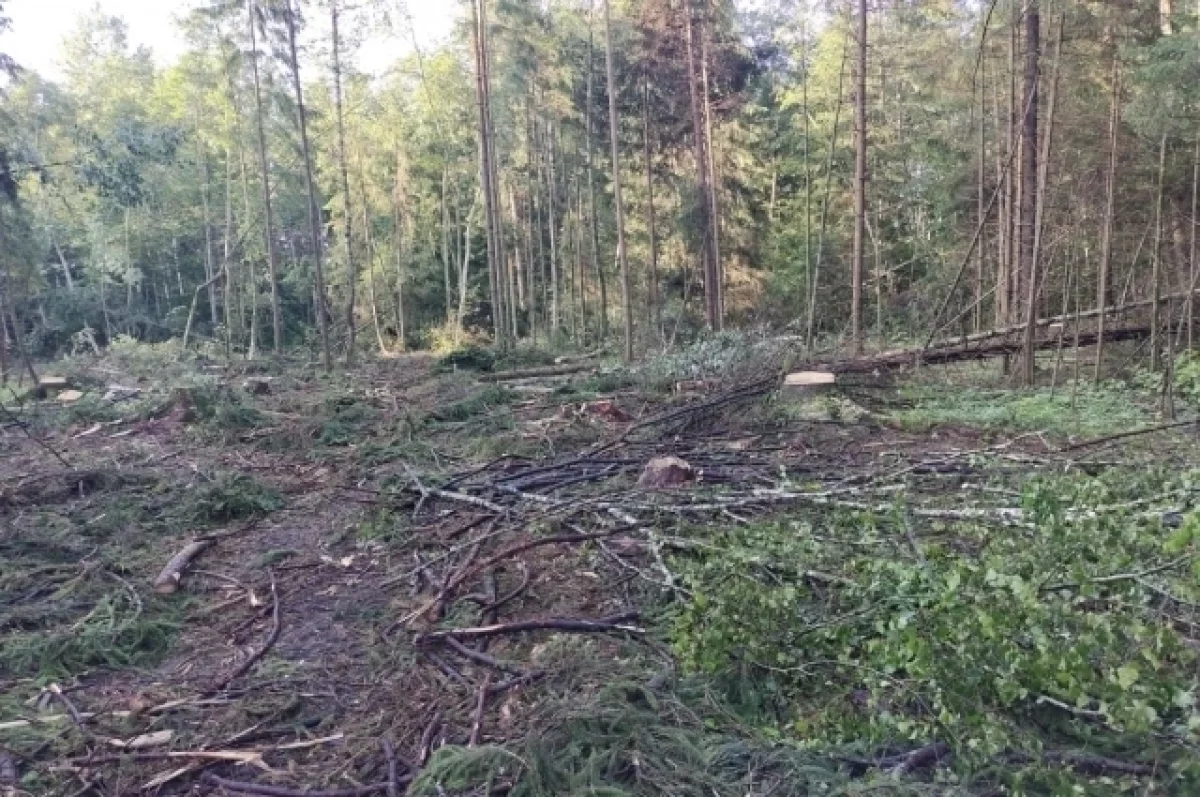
[231,497]
[994,636]
[486,400]
[625,739]
[1082,410]
[469,358]
[348,418]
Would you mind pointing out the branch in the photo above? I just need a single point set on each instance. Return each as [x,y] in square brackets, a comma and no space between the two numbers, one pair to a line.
[602,626]
[280,791]
[272,638]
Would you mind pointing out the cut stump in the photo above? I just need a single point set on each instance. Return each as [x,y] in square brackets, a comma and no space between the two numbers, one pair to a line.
[806,384]
[662,473]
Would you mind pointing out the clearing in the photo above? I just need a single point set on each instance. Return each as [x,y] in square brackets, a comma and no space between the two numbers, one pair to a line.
[419,577]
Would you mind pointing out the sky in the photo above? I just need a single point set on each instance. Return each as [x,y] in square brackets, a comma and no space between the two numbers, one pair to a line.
[39,27]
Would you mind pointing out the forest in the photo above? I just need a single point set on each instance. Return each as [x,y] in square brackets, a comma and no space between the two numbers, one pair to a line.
[743,398]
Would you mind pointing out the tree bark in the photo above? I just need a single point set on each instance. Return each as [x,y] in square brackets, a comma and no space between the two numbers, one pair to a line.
[652,277]
[348,223]
[860,183]
[1029,146]
[1106,234]
[709,257]
[268,222]
[314,206]
[614,125]
[1035,266]
[597,261]
[1156,271]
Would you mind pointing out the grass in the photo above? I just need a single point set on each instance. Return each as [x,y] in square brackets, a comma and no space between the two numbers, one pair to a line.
[1087,411]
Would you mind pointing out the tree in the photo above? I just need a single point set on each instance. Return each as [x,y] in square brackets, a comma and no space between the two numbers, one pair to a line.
[860,181]
[614,132]
[268,219]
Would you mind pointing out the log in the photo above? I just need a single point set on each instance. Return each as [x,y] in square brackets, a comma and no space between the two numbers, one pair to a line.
[538,373]
[952,353]
[168,580]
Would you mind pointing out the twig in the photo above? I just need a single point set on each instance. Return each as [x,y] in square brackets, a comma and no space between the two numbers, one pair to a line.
[450,495]
[1125,435]
[602,626]
[480,707]
[1171,565]
[389,752]
[280,791]
[272,638]
[72,712]
[507,553]
[427,735]
[479,657]
[928,755]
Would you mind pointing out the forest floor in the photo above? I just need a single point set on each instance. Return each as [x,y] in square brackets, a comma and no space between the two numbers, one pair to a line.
[417,578]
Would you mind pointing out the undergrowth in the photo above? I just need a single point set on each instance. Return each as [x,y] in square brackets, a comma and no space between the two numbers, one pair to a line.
[1068,630]
[621,729]
[1085,411]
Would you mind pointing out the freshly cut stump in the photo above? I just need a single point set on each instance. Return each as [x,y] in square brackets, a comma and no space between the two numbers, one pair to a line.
[665,472]
[806,384]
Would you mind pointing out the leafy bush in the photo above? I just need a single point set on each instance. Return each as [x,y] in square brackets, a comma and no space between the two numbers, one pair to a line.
[989,634]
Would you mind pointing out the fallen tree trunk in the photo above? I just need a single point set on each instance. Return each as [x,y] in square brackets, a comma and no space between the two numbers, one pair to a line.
[538,373]
[952,353]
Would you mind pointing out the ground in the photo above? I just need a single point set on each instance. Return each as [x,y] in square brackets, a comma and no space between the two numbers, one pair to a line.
[419,577]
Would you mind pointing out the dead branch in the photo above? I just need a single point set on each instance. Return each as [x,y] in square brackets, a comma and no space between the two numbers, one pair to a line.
[279,791]
[389,752]
[449,495]
[480,708]
[507,553]
[1090,764]
[604,625]
[168,580]
[479,657]
[272,638]
[926,756]
[1126,435]
[427,735]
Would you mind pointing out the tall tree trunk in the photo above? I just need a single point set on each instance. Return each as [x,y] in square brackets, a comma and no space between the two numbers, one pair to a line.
[488,172]
[445,208]
[652,277]
[858,264]
[709,257]
[348,223]
[315,223]
[614,126]
[1106,233]
[815,281]
[551,227]
[980,206]
[809,266]
[1029,144]
[1192,264]
[1156,272]
[210,268]
[711,146]
[597,260]
[1035,264]
[268,222]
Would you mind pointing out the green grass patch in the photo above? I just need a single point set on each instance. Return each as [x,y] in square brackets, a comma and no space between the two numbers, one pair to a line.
[1085,411]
